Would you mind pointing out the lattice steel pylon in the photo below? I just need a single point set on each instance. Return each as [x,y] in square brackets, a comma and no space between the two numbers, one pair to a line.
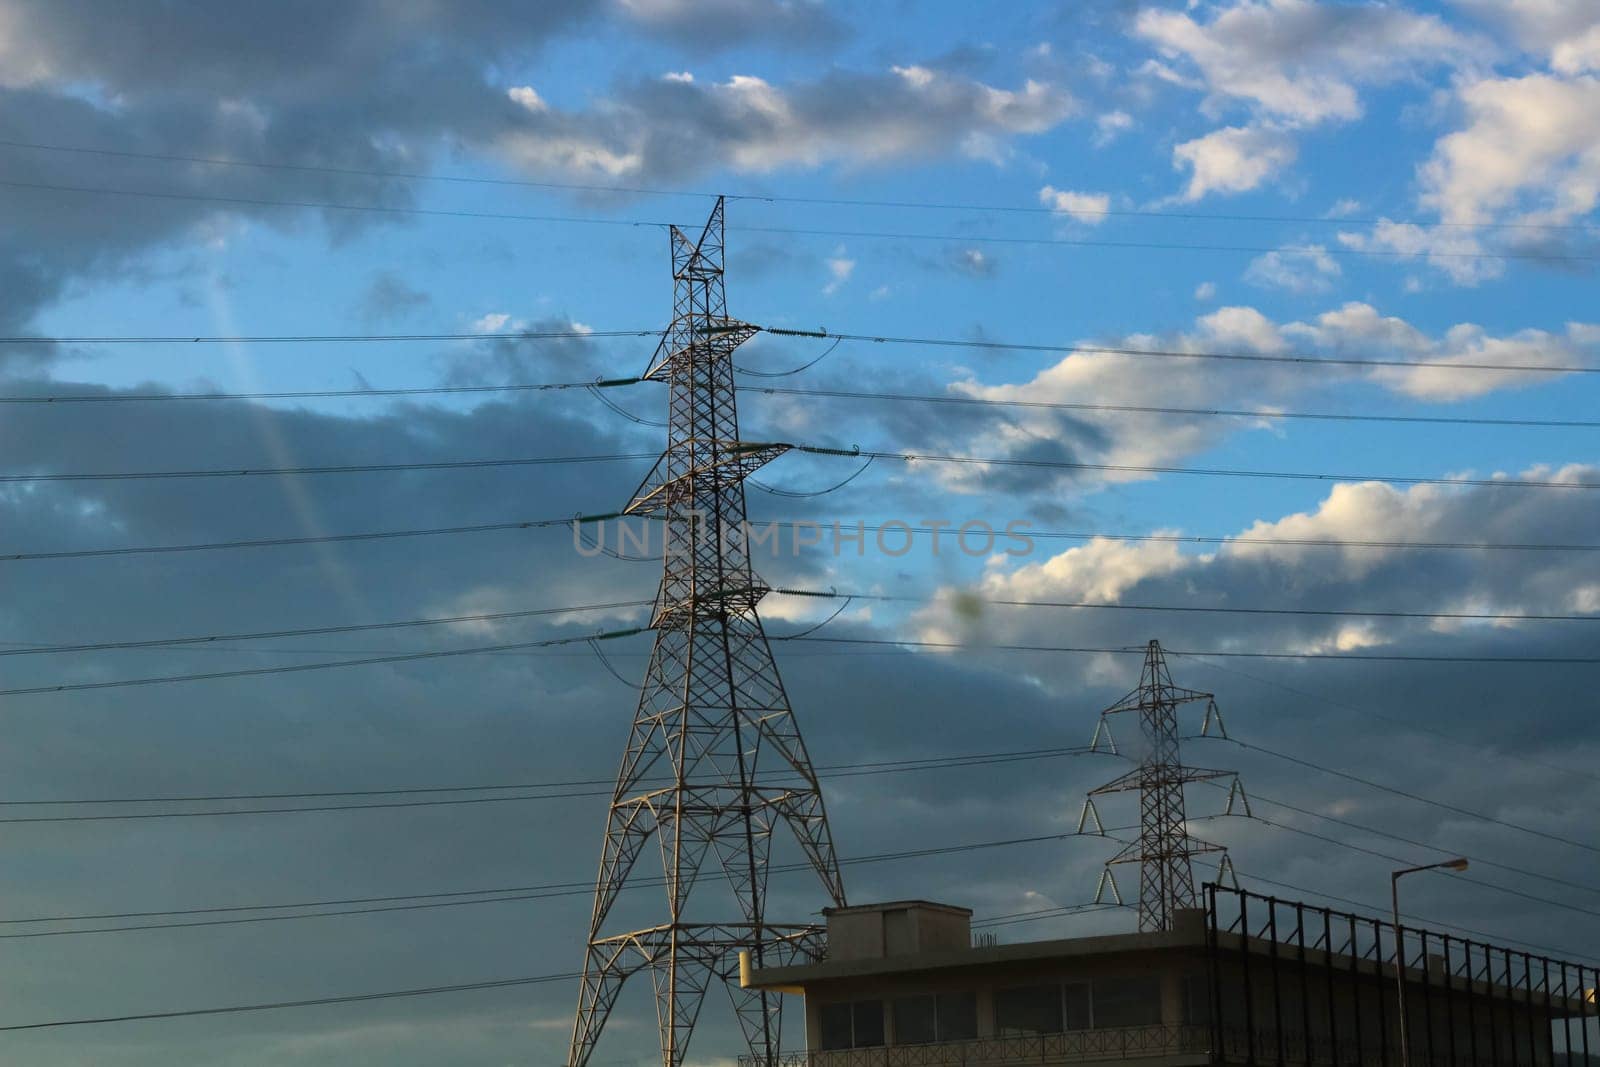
[715,761]
[1164,847]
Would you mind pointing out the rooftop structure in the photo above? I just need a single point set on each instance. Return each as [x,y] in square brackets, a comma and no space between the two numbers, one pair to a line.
[1245,980]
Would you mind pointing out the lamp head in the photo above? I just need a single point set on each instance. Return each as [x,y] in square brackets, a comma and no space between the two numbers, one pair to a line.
[1459,864]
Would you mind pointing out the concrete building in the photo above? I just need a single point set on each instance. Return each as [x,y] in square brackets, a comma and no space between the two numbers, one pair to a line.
[903,984]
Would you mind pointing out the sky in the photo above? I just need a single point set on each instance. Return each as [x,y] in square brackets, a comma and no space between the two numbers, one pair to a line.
[1380,182]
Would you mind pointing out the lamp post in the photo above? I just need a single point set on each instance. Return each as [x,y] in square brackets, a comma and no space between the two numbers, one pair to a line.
[1457,864]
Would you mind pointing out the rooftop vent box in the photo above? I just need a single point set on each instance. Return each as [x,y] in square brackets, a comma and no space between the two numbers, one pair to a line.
[898,928]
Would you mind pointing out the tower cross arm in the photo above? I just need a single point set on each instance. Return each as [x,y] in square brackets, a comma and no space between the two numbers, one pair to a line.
[735,461]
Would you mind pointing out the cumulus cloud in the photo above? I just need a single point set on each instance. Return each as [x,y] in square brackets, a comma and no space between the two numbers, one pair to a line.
[1234,159]
[1456,252]
[1252,570]
[840,267]
[1155,439]
[673,128]
[1359,327]
[1529,144]
[1298,60]
[1084,207]
[711,25]
[1567,32]
[1109,125]
[1302,270]
[1291,64]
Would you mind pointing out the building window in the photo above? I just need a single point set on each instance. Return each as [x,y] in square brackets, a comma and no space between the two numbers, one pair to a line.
[930,1018]
[1028,1010]
[834,1020]
[958,1016]
[1196,999]
[1132,1001]
[915,1020]
[857,1024]
[1076,999]
[867,1016]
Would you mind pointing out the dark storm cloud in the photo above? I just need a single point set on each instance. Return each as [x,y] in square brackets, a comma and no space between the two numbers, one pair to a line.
[357,86]
[714,25]
[388,297]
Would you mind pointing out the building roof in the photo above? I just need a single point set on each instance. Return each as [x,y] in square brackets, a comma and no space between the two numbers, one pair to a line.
[799,975]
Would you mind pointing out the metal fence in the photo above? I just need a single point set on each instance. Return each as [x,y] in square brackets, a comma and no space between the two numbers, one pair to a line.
[1296,984]
[1128,1042]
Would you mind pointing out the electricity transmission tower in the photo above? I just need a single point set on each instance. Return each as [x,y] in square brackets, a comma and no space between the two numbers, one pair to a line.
[715,760]
[1164,847]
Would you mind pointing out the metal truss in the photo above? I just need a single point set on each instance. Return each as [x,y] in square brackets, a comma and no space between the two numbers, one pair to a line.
[713,718]
[1164,847]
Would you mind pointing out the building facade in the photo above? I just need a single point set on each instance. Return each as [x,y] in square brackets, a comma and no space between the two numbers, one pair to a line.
[1247,980]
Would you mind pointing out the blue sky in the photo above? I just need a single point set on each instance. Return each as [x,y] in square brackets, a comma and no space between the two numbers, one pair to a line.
[1413,182]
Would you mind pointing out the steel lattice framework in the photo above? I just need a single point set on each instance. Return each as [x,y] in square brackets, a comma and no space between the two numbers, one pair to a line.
[713,719]
[1164,847]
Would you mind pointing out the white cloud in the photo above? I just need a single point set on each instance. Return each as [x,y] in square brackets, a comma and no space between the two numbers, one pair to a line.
[1292,64]
[1109,125]
[1298,60]
[528,97]
[1115,377]
[1344,208]
[1456,252]
[1234,159]
[1359,327]
[1205,291]
[1111,571]
[1567,32]
[751,125]
[840,267]
[1085,207]
[1530,144]
[1304,270]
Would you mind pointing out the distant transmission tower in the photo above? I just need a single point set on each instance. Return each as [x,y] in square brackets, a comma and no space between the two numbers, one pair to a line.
[715,758]
[1164,847]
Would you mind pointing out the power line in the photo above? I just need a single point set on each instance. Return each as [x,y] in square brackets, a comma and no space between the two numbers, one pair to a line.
[338,468]
[1199,609]
[1405,724]
[966,238]
[324,205]
[1168,353]
[316,338]
[1352,657]
[1296,359]
[1417,797]
[1163,246]
[262,635]
[478,650]
[916,765]
[907,457]
[298,668]
[1257,797]
[928,762]
[844,394]
[533,524]
[502,983]
[635,190]
[1381,912]
[431,901]
[1210,472]
[1144,409]
[1508,890]
[832,594]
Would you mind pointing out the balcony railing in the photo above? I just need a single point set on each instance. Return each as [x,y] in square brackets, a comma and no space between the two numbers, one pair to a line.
[1130,1042]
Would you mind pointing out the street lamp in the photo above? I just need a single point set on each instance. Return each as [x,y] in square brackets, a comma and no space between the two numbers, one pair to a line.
[1457,864]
